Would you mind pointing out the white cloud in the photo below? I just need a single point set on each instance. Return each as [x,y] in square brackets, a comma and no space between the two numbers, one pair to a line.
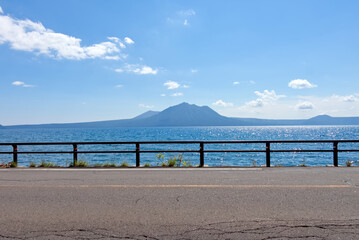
[146,70]
[304,106]
[185,86]
[22,84]
[146,106]
[185,22]
[129,40]
[138,69]
[255,103]
[18,83]
[163,95]
[265,97]
[194,70]
[268,95]
[300,84]
[235,83]
[117,40]
[26,35]
[171,85]
[1,11]
[177,94]
[221,103]
[118,86]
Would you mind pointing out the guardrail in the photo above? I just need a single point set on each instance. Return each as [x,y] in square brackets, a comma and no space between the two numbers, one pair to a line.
[201,150]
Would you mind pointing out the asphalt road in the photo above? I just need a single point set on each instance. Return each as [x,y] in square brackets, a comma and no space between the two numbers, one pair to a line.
[252,203]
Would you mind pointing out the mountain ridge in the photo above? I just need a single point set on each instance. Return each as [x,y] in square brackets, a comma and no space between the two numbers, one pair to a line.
[186,114]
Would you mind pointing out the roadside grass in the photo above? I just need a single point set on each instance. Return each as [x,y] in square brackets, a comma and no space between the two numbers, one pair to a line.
[176,161]
[80,163]
[124,164]
[109,165]
[32,164]
[45,164]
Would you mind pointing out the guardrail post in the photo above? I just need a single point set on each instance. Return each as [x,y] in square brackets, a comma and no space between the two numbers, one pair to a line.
[75,154]
[201,155]
[137,154]
[268,154]
[14,155]
[335,154]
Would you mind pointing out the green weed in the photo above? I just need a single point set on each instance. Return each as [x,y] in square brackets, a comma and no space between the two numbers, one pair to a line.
[124,164]
[32,164]
[13,164]
[108,164]
[349,163]
[47,164]
[79,163]
[172,162]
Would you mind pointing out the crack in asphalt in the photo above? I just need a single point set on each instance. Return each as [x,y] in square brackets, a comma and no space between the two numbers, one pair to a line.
[268,230]
[139,199]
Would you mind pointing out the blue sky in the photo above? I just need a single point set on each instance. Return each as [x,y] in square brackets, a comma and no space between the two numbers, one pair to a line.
[74,61]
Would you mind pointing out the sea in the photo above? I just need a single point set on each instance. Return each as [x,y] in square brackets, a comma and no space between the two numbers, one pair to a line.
[187,134]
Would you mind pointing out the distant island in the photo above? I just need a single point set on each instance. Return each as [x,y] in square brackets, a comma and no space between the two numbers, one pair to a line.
[185,114]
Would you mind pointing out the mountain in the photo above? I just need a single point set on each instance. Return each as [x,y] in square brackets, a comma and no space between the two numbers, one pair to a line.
[185,114]
[328,120]
[146,114]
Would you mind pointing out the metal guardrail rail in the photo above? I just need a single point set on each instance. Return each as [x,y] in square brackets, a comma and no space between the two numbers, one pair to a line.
[137,150]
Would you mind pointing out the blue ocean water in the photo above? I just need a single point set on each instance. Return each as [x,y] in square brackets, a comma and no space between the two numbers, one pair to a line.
[186,133]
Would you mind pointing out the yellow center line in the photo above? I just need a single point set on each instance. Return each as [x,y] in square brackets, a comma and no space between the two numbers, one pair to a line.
[176,186]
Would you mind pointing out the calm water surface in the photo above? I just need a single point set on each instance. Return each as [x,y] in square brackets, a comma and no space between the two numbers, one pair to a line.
[187,133]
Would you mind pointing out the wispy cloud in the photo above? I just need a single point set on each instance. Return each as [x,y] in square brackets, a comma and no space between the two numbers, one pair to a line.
[304,106]
[1,11]
[119,86]
[348,99]
[300,84]
[221,103]
[177,94]
[146,106]
[171,85]
[26,35]
[194,70]
[138,69]
[235,83]
[182,17]
[187,13]
[21,84]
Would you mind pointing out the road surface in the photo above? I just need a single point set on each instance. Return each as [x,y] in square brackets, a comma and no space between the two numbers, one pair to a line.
[210,203]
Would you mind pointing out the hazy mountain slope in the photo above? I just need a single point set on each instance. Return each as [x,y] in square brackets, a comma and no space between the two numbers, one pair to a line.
[146,114]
